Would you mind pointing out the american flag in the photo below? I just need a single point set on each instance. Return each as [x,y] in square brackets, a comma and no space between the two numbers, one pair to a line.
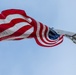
[15,24]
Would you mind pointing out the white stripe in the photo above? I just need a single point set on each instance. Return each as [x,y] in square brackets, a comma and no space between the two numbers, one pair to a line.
[24,35]
[47,34]
[59,41]
[13,29]
[13,16]
[43,36]
[48,37]
[38,37]
[37,34]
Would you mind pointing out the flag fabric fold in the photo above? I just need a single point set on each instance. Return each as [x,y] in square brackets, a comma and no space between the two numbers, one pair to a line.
[15,24]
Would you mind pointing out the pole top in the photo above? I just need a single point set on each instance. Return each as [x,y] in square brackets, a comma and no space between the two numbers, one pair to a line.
[70,35]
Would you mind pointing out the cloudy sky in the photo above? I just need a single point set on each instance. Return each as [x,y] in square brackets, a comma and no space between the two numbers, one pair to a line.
[25,57]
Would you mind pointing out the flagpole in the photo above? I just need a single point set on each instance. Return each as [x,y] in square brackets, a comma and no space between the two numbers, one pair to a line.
[70,35]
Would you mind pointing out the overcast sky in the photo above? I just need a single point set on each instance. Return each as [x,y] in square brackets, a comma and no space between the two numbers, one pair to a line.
[25,57]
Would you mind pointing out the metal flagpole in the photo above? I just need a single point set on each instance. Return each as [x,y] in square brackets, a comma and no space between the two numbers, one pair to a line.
[70,35]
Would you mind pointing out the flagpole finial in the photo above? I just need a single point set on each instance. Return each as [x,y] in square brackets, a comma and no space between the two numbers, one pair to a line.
[70,35]
[74,38]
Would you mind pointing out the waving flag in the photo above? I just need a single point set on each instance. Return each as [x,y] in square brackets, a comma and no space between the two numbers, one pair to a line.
[15,24]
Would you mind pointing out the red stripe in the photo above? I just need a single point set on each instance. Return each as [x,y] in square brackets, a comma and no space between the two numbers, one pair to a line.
[34,24]
[41,37]
[50,42]
[17,33]
[1,16]
[50,45]
[47,35]
[12,11]
[11,24]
